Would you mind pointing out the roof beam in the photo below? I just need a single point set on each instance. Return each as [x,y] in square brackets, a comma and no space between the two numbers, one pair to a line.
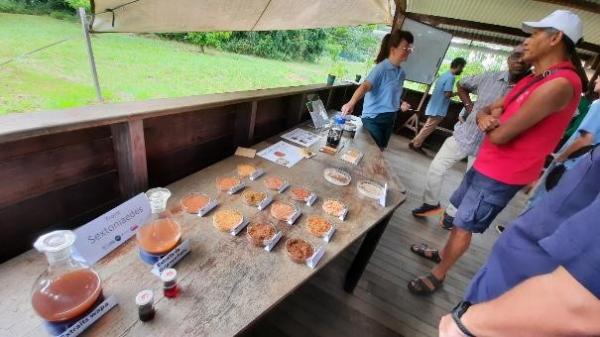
[575,4]
[436,20]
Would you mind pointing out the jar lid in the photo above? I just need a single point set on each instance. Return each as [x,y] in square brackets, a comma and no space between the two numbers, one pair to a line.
[144,297]
[55,241]
[168,275]
[340,120]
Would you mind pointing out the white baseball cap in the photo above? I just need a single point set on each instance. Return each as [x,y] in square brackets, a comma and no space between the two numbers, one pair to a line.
[565,21]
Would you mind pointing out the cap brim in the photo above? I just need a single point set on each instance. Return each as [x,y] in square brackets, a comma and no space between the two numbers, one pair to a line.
[529,26]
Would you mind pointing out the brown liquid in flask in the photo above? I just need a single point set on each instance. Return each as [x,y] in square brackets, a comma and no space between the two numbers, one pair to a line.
[68,296]
[68,288]
[161,233]
[159,236]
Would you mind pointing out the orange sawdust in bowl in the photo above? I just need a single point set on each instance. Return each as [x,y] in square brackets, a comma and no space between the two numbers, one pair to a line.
[300,193]
[282,210]
[193,202]
[226,183]
[253,198]
[260,233]
[227,219]
[274,183]
[245,170]
[299,250]
[334,207]
[318,226]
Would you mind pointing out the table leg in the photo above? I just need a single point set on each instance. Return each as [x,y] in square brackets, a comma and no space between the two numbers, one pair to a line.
[367,247]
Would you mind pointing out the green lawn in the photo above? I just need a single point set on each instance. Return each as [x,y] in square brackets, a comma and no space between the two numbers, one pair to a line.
[130,67]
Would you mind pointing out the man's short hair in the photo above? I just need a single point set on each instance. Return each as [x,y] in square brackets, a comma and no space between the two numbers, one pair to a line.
[459,61]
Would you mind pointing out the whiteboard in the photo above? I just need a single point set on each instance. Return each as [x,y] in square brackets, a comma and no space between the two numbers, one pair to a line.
[430,45]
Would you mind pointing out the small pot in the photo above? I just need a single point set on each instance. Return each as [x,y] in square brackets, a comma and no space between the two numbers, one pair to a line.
[330,79]
[357,78]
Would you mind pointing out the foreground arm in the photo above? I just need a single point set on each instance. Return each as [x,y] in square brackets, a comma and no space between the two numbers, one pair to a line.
[550,305]
[359,93]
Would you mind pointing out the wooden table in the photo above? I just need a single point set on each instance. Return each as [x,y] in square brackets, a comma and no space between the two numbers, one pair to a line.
[227,284]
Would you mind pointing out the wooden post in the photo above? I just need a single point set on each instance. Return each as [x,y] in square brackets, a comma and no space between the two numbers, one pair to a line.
[130,152]
[297,107]
[245,121]
[399,15]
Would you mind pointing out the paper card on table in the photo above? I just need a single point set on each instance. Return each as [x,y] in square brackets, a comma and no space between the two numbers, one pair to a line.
[301,137]
[81,325]
[382,199]
[327,237]
[102,235]
[239,227]
[208,207]
[314,260]
[172,258]
[245,152]
[282,153]
[269,247]
[257,174]
[236,188]
[266,202]
[294,217]
[283,187]
[343,215]
[311,199]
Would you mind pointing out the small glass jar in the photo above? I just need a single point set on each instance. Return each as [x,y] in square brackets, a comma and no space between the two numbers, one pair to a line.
[335,132]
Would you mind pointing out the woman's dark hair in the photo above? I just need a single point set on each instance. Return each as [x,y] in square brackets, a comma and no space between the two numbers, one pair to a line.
[573,56]
[459,61]
[393,40]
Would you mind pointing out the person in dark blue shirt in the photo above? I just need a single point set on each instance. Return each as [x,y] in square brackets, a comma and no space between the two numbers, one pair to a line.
[542,277]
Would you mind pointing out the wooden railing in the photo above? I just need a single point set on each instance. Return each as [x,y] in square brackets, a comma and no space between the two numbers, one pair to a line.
[59,169]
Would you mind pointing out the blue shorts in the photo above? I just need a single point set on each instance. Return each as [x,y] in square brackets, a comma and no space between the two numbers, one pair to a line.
[479,199]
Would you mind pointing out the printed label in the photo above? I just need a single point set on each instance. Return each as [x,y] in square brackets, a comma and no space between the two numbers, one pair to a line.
[239,227]
[294,217]
[327,237]
[265,203]
[84,323]
[314,260]
[172,258]
[236,188]
[382,199]
[311,199]
[257,174]
[208,207]
[269,247]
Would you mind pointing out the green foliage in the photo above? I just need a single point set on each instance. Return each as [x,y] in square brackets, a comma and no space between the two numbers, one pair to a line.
[58,9]
[339,70]
[351,43]
[208,39]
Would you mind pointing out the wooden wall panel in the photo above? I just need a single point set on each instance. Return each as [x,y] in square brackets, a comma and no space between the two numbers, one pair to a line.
[271,117]
[179,145]
[65,208]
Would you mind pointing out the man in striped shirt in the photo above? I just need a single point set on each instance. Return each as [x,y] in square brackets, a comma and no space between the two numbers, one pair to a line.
[467,137]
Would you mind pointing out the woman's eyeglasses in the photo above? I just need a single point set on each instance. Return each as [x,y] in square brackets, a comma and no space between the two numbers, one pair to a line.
[408,49]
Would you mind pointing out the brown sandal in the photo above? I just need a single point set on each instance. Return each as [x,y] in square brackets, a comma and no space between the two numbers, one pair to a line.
[425,285]
[423,250]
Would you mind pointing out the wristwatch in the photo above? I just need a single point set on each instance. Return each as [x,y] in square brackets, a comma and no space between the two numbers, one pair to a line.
[458,311]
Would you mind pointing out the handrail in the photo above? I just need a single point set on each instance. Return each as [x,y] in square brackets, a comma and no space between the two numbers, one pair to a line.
[18,126]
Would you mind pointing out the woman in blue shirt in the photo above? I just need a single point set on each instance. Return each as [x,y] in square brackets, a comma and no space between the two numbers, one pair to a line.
[382,89]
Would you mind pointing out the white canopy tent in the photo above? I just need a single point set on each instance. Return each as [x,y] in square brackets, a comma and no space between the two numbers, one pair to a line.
[156,16]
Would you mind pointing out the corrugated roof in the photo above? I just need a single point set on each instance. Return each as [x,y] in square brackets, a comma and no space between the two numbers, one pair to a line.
[508,13]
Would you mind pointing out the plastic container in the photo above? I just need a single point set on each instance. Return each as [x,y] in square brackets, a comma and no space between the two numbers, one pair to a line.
[68,289]
[299,250]
[260,233]
[282,210]
[193,202]
[161,233]
[335,132]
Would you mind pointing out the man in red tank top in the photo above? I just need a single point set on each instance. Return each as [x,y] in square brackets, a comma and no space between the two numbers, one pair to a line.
[521,129]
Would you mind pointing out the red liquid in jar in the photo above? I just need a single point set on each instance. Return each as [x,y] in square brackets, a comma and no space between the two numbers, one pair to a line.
[171,292]
[68,296]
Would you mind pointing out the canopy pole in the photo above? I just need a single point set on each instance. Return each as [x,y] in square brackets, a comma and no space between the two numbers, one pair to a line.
[90,52]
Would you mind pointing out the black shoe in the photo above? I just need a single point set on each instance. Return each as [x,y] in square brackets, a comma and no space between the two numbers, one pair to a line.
[426,210]
[500,229]
[416,149]
[447,222]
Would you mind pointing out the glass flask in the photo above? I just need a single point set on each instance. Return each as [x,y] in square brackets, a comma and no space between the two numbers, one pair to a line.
[161,233]
[68,289]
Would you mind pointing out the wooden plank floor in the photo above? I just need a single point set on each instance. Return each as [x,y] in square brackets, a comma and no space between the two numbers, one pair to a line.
[381,304]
